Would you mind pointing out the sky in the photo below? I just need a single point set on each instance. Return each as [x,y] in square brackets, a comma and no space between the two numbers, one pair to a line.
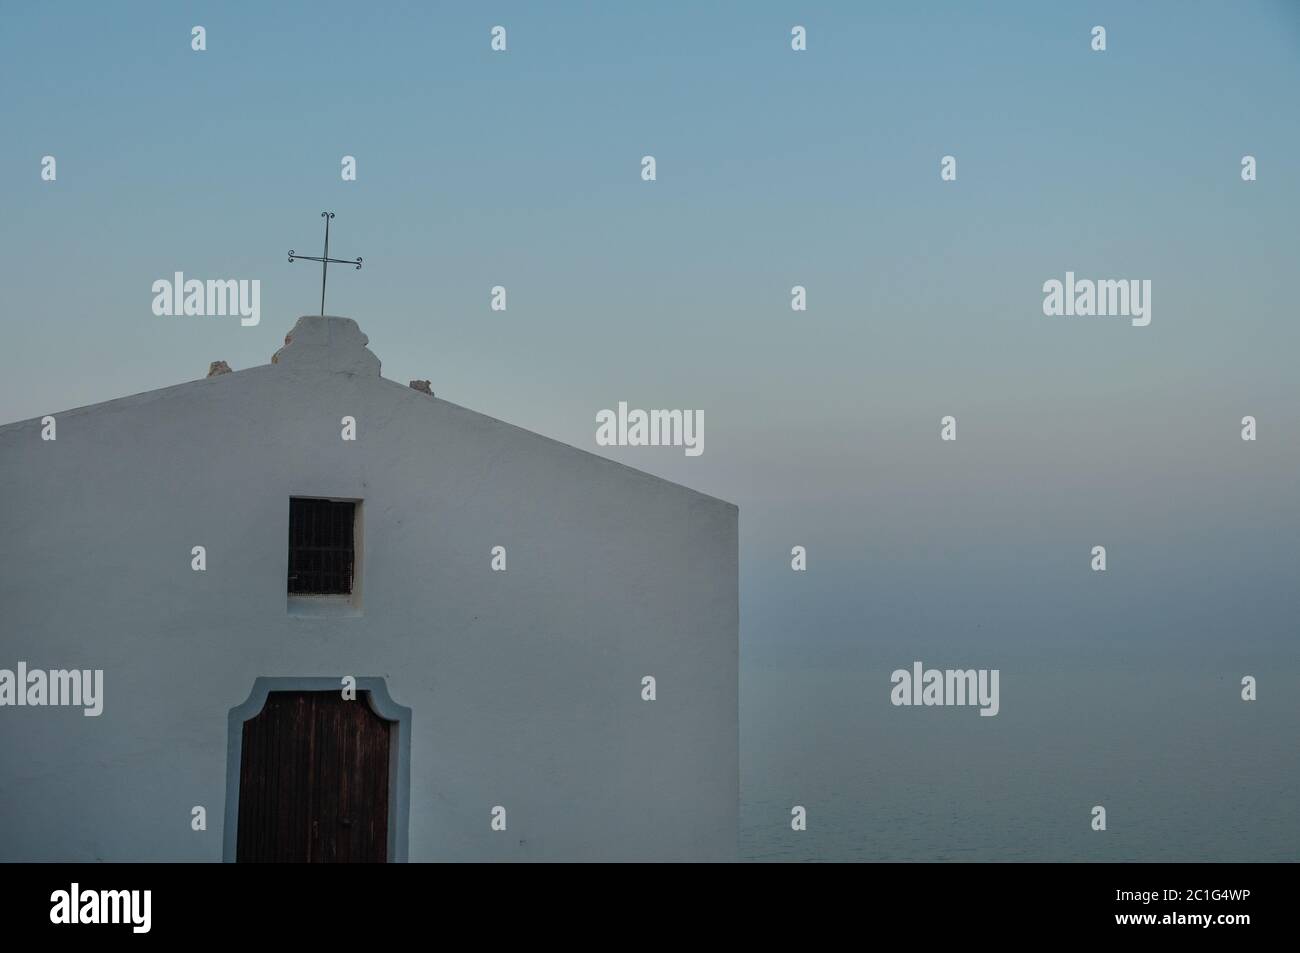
[774,168]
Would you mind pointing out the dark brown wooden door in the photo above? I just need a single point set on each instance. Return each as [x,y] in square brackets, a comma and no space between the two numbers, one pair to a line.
[313,780]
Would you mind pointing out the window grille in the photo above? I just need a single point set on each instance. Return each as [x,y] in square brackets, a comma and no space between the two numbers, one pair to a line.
[321,546]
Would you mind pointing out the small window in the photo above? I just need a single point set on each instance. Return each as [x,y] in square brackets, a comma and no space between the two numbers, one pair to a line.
[322,546]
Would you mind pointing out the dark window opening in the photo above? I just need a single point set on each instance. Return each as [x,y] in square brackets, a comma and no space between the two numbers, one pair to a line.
[321,546]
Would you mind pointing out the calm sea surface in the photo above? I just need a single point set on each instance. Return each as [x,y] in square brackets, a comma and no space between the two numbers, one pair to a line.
[1185,769]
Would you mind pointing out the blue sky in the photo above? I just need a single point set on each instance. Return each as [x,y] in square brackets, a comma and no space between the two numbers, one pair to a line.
[775,168]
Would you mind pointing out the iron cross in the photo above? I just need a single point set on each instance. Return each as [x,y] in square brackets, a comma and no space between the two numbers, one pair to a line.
[325,260]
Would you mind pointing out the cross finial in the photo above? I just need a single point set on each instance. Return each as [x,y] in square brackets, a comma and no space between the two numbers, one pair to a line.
[325,259]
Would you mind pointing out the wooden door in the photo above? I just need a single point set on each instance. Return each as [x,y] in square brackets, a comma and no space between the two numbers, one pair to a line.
[313,780]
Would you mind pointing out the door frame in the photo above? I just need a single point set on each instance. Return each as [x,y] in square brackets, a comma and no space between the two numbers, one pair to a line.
[399,752]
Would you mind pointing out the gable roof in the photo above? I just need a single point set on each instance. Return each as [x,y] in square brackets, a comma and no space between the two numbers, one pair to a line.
[333,345]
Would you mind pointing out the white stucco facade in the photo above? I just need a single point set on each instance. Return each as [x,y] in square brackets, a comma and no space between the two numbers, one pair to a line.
[524,686]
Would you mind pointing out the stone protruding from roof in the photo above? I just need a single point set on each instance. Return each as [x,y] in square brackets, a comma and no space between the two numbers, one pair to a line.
[424,387]
[326,343]
[217,368]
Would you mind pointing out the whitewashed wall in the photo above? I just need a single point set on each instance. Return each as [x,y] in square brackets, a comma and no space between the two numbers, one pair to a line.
[525,686]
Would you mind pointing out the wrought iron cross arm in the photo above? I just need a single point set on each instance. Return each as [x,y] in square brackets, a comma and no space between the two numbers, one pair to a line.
[332,261]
